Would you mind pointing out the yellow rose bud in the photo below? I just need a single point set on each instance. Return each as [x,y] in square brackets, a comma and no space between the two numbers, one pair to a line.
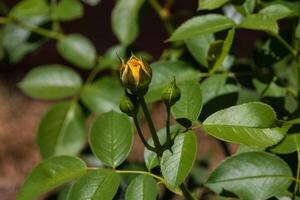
[135,75]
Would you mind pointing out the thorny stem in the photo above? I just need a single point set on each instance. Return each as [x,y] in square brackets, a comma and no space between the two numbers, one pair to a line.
[140,133]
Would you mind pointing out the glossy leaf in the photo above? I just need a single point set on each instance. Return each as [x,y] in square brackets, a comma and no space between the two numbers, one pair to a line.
[249,176]
[252,124]
[78,50]
[103,95]
[290,103]
[111,138]
[142,187]
[269,90]
[266,19]
[97,184]
[201,25]
[247,8]
[190,103]
[260,22]
[198,46]
[247,95]
[16,39]
[29,8]
[225,50]
[211,4]
[292,5]
[125,20]
[216,86]
[50,174]
[276,11]
[51,82]
[164,71]
[61,130]
[150,157]
[177,165]
[67,10]
[290,144]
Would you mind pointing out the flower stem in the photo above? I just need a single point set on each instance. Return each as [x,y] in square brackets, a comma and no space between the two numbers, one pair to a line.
[186,193]
[168,124]
[298,173]
[140,133]
[151,125]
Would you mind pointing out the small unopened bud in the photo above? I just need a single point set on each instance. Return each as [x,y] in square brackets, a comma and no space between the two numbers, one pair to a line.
[136,75]
[129,104]
[171,93]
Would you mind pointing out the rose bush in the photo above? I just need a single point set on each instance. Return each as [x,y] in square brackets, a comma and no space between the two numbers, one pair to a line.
[205,84]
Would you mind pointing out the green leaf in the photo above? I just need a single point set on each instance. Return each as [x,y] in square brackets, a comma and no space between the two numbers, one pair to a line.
[108,59]
[247,95]
[111,138]
[61,130]
[266,19]
[298,30]
[190,103]
[252,124]
[198,46]
[49,174]
[16,41]
[290,144]
[292,5]
[247,8]
[29,8]
[211,4]
[177,165]
[67,10]
[150,157]
[202,25]
[216,86]
[142,187]
[225,50]
[103,95]
[78,50]
[249,176]
[290,103]
[260,22]
[276,11]
[97,184]
[164,71]
[125,17]
[51,82]
[269,90]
